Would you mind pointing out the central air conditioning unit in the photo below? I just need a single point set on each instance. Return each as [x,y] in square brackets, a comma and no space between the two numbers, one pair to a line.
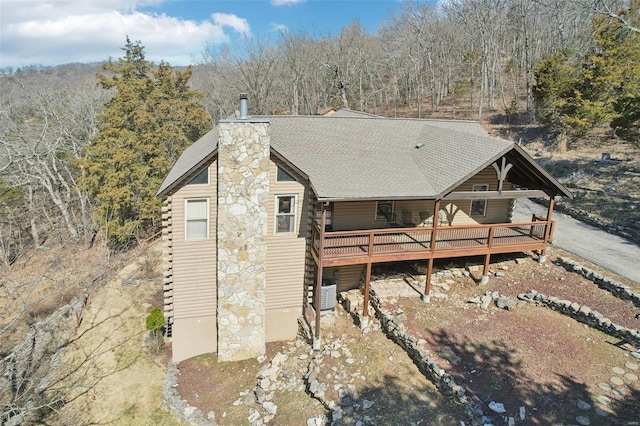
[328,295]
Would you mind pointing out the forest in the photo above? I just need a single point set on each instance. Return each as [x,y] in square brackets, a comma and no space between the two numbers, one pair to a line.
[83,147]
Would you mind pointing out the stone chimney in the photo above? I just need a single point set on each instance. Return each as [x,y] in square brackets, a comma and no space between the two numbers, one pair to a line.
[243,195]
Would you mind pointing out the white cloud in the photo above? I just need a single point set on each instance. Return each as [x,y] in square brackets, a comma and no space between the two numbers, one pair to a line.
[279,28]
[236,23]
[285,2]
[57,32]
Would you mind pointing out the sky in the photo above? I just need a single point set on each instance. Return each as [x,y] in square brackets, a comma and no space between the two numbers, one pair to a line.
[54,32]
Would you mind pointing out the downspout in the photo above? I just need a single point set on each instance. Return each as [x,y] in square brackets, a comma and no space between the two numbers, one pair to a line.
[323,221]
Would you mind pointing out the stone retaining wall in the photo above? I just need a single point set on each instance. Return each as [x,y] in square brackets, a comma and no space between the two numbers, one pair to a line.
[616,288]
[172,401]
[585,315]
[425,361]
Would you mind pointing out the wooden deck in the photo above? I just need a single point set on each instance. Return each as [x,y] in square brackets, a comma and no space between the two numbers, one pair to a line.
[398,244]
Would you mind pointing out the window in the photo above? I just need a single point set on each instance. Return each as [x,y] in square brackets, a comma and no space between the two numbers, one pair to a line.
[479,206]
[196,219]
[284,176]
[384,210]
[201,178]
[285,213]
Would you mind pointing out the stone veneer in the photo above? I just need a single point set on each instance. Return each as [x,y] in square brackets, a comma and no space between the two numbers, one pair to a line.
[243,191]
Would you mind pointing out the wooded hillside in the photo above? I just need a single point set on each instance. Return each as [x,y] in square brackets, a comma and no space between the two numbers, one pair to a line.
[559,61]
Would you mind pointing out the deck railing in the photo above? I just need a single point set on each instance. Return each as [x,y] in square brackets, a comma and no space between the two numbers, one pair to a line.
[412,242]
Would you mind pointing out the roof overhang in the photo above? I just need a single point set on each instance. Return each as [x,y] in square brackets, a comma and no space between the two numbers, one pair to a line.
[526,173]
[188,175]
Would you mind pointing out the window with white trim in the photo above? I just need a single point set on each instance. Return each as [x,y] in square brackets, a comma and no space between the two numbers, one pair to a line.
[196,218]
[479,206]
[285,214]
[384,210]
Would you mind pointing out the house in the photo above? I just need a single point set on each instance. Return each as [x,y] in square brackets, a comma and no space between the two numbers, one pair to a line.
[262,211]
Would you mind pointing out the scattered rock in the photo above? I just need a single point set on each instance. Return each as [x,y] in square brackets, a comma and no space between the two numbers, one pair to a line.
[486,299]
[583,420]
[497,407]
[447,353]
[253,416]
[270,408]
[506,303]
[366,404]
[260,395]
[618,392]
[617,370]
[584,405]
[616,381]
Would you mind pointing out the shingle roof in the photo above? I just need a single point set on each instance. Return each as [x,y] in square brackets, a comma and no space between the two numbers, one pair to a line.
[359,156]
[190,161]
[365,157]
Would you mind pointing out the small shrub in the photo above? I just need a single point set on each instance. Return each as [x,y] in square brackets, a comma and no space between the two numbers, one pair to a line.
[155,320]
[155,323]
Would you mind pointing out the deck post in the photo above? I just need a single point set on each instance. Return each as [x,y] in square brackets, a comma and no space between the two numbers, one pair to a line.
[323,221]
[365,309]
[427,282]
[432,247]
[485,270]
[547,230]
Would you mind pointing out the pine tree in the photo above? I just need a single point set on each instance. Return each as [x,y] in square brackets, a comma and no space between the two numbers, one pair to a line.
[620,46]
[152,117]
[603,89]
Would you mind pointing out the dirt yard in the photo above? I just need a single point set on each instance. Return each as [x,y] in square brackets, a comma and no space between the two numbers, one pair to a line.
[530,356]
[527,357]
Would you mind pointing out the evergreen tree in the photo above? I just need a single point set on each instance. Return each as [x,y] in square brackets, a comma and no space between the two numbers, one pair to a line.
[620,44]
[604,89]
[152,117]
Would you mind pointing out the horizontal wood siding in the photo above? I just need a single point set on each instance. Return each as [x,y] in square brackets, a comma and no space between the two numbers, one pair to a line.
[349,276]
[194,262]
[285,258]
[356,215]
[352,215]
[498,210]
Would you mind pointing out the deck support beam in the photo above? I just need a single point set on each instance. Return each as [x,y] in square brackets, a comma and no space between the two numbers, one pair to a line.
[547,230]
[485,270]
[367,283]
[487,258]
[427,281]
[432,248]
[323,221]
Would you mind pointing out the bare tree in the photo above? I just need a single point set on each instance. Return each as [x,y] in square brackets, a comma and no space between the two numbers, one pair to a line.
[44,130]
